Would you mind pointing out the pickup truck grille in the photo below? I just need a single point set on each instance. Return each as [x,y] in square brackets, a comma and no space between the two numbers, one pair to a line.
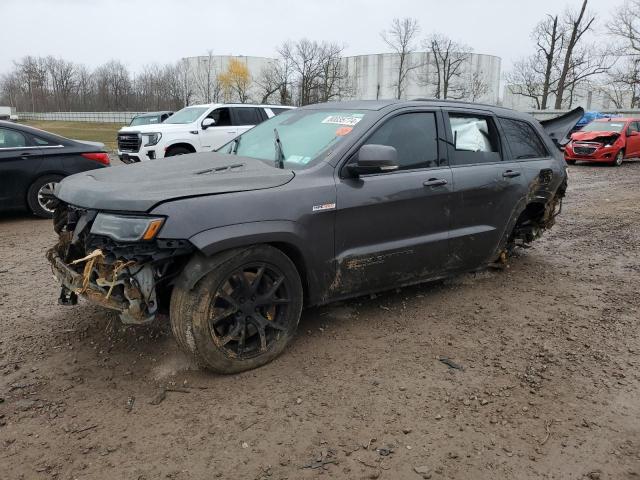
[129,142]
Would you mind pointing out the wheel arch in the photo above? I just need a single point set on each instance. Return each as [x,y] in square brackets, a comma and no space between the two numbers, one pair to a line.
[181,143]
[214,244]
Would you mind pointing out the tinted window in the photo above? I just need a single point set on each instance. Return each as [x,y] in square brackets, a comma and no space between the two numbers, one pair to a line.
[221,116]
[414,136]
[523,139]
[475,137]
[42,141]
[11,139]
[247,116]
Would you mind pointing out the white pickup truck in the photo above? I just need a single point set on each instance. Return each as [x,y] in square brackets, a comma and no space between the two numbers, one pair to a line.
[8,113]
[197,128]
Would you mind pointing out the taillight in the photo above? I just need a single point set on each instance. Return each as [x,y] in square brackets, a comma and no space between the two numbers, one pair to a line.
[99,157]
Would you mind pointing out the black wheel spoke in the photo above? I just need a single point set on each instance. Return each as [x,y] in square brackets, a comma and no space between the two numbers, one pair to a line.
[249,309]
[217,318]
[258,278]
[232,334]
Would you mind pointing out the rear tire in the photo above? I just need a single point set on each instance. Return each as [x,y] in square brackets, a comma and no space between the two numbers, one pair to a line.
[174,151]
[37,193]
[618,159]
[242,314]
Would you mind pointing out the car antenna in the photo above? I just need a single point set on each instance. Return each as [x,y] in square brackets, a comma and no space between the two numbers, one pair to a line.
[279,152]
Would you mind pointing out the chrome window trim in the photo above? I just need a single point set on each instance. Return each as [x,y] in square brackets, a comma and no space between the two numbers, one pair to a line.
[29,148]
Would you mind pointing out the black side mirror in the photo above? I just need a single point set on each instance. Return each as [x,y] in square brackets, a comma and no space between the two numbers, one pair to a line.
[208,122]
[374,159]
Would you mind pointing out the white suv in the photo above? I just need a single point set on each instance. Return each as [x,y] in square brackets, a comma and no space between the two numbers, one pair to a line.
[198,128]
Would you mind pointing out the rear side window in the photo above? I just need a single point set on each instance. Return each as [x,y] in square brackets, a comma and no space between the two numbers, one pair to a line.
[41,141]
[523,140]
[247,116]
[414,136]
[11,139]
[475,138]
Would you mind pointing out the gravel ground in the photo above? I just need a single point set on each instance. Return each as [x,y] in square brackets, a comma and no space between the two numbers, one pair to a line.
[548,386]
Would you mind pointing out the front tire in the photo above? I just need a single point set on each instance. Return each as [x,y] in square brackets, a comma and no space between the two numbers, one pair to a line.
[243,313]
[39,195]
[618,159]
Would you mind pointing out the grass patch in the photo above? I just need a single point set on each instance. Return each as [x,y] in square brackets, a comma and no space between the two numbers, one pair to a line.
[95,132]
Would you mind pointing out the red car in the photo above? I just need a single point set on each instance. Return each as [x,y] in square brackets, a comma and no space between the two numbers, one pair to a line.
[606,140]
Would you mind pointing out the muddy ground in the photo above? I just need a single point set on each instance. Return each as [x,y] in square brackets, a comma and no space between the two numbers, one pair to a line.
[550,387]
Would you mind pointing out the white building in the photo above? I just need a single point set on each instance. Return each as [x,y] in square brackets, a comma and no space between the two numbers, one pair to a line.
[375,76]
[369,77]
[589,97]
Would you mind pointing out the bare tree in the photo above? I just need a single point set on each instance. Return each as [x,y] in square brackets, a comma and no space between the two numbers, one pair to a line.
[401,37]
[548,36]
[305,57]
[525,80]
[62,74]
[578,23]
[626,25]
[449,60]
[475,86]
[205,77]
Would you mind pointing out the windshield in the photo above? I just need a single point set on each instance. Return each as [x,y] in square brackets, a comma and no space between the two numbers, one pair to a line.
[604,127]
[146,120]
[303,135]
[186,115]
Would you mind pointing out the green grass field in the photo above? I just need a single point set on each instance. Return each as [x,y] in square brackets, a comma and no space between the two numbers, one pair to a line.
[95,132]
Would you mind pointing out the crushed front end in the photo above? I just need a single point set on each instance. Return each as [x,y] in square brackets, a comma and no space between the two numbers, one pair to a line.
[115,261]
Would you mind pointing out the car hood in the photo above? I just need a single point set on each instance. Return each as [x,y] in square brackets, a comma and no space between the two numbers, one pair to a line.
[157,127]
[141,186]
[588,136]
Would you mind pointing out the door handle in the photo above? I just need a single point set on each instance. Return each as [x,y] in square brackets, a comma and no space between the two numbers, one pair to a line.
[434,182]
[25,154]
[510,174]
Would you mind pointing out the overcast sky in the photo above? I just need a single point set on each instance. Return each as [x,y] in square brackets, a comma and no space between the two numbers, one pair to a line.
[139,32]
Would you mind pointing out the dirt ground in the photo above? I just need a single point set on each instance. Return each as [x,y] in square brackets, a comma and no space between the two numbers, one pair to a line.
[550,386]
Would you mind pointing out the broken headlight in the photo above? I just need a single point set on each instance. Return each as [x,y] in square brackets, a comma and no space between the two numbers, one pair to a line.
[126,228]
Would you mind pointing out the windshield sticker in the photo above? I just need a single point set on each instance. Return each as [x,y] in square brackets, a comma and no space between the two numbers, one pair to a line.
[349,121]
[342,131]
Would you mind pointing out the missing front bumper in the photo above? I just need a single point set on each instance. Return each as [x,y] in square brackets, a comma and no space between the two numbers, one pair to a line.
[135,298]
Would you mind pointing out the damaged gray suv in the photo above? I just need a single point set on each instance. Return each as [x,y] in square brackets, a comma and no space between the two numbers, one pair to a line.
[314,205]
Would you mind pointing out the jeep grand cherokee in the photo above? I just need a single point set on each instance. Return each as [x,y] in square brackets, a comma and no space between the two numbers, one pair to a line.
[314,205]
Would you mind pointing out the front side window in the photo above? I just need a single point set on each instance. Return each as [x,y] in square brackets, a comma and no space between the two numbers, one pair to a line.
[523,140]
[222,117]
[11,139]
[414,136]
[186,115]
[475,139]
[633,127]
[247,116]
[304,135]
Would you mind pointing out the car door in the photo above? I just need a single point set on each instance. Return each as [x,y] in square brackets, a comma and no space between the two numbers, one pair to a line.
[19,162]
[221,132]
[487,186]
[633,140]
[245,118]
[391,228]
